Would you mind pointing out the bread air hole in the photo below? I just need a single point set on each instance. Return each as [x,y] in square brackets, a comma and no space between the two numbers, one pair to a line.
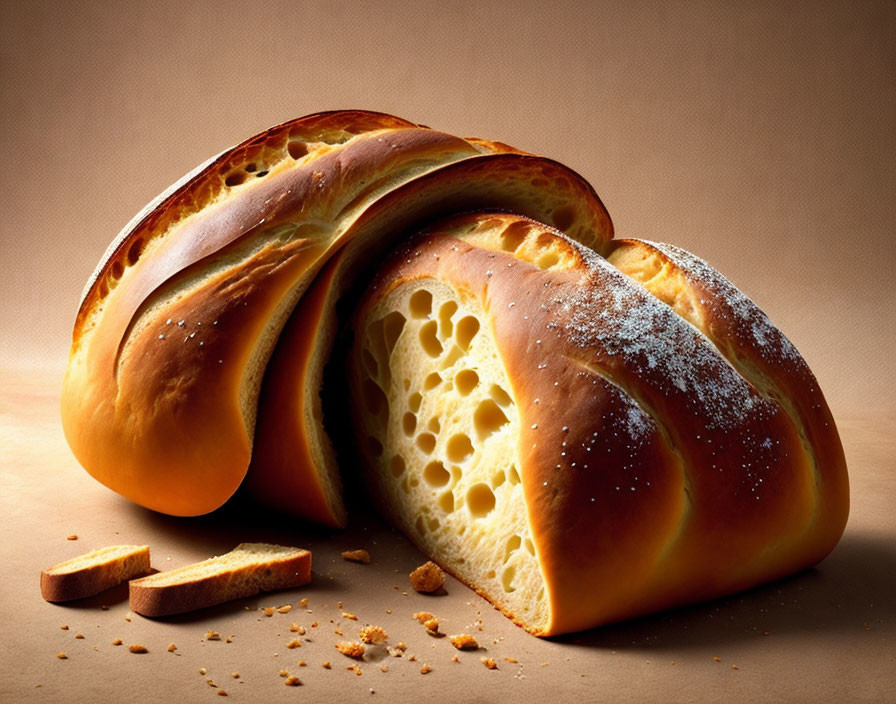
[446,502]
[397,465]
[426,442]
[409,423]
[432,381]
[459,448]
[234,178]
[414,401]
[297,149]
[467,327]
[480,500]
[429,340]
[420,304]
[488,419]
[436,475]
[465,381]
[446,327]
[434,425]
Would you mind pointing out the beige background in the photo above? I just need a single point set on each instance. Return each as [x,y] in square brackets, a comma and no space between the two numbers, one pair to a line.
[761,136]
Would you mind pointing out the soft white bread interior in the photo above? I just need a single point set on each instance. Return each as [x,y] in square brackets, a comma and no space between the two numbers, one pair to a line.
[569,444]
[246,570]
[94,572]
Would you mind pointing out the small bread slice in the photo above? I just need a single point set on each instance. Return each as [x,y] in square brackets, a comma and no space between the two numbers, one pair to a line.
[94,572]
[246,570]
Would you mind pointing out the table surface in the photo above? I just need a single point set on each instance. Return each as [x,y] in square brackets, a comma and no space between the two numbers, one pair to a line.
[758,135]
[828,634]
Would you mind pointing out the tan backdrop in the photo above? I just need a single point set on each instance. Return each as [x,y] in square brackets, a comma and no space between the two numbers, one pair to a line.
[759,135]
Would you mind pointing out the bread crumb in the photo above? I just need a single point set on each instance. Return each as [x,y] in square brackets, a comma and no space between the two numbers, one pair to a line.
[350,649]
[172,647]
[302,663]
[104,608]
[314,624]
[64,628]
[295,643]
[337,632]
[384,668]
[229,639]
[137,648]
[464,641]
[357,556]
[72,537]
[455,658]
[211,683]
[427,578]
[79,636]
[303,603]
[423,616]
[62,656]
[734,667]
[718,659]
[235,675]
[373,634]
[222,693]
[269,611]
[388,611]
[203,671]
[338,604]
[284,673]
[285,609]
[296,628]
[127,618]
[354,668]
[117,641]
[514,660]
[401,647]
[349,616]
[489,663]
[412,658]
[292,681]
[425,670]
[326,664]
[213,635]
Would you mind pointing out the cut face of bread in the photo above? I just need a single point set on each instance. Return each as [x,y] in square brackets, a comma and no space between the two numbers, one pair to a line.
[444,428]
[583,443]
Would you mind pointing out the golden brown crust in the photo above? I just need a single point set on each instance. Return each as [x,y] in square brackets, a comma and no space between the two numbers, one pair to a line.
[159,398]
[94,572]
[654,473]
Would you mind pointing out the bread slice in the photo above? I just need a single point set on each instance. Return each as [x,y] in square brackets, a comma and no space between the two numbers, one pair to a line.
[94,572]
[581,448]
[246,570]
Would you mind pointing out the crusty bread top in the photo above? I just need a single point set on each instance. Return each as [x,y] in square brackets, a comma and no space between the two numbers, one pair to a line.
[102,556]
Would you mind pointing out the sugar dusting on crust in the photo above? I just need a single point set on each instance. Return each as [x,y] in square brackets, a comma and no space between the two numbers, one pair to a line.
[729,301]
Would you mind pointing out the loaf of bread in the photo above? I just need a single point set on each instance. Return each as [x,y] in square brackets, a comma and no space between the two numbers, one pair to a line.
[94,572]
[584,439]
[581,428]
[246,570]
[179,320]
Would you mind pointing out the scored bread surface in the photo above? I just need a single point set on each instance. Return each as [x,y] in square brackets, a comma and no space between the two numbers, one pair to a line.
[176,328]
[653,473]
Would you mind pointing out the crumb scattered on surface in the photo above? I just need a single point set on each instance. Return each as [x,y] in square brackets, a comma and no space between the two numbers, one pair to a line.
[235,675]
[269,611]
[294,643]
[425,670]
[314,624]
[285,609]
[303,603]
[172,647]
[296,628]
[455,658]
[211,683]
[292,681]
[349,616]
[338,604]
[734,667]
[373,634]
[412,658]
[302,663]
[326,664]
[64,628]
[489,663]
[79,636]
[350,649]
[137,648]
[718,659]
[72,537]
[62,656]
[384,668]
[357,670]
[464,641]
[357,556]
[222,693]
[401,647]
[213,635]
[514,660]
[427,578]
[202,671]
[284,673]
[229,639]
